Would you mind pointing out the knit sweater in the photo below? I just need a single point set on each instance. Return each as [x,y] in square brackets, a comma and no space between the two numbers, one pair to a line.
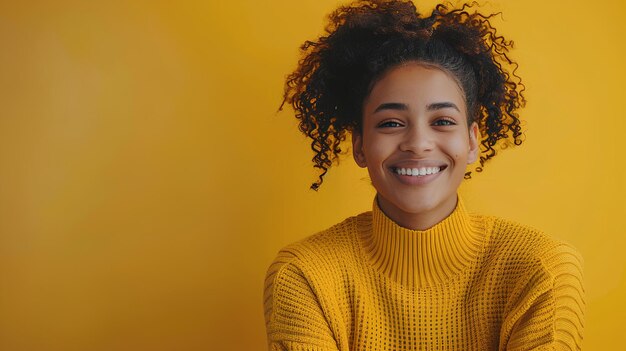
[471,282]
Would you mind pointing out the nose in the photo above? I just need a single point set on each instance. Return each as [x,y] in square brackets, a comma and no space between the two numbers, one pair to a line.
[417,139]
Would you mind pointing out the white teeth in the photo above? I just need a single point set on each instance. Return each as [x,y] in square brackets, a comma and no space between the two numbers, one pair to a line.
[418,171]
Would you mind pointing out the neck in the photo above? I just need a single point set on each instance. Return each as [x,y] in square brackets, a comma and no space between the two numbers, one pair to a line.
[417,220]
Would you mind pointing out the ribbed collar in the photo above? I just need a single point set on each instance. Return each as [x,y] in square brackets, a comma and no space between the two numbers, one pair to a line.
[417,258]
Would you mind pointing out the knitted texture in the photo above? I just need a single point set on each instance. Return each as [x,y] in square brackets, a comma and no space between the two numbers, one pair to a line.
[471,282]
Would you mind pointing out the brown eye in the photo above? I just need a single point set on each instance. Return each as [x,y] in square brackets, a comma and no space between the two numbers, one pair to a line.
[389,124]
[444,122]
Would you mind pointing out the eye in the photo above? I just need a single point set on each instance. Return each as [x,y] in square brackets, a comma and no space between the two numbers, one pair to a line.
[444,122]
[390,124]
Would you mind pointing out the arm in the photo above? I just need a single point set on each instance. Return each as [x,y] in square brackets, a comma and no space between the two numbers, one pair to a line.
[293,315]
[550,314]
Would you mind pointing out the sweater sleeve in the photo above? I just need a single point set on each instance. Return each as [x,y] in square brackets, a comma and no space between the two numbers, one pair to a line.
[550,314]
[293,315]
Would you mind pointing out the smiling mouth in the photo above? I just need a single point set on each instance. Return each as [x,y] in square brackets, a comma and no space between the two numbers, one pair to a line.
[418,172]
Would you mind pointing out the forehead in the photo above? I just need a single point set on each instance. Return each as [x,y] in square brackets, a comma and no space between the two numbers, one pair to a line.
[415,84]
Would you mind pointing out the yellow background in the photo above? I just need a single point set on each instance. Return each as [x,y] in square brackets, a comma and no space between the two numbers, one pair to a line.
[146,181]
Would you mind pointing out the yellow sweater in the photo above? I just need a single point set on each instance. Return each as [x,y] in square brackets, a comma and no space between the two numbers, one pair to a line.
[471,282]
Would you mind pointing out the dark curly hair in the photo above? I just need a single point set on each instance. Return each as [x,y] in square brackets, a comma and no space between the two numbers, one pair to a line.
[366,38]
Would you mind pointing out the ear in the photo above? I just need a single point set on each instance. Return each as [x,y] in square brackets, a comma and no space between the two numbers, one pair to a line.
[474,135]
[357,149]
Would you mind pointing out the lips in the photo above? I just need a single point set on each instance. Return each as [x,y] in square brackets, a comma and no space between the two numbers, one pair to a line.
[416,172]
[417,168]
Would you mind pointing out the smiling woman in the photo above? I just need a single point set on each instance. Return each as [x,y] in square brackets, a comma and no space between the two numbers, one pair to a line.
[422,97]
[415,122]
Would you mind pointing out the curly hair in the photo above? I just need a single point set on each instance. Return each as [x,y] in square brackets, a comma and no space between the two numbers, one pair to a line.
[363,40]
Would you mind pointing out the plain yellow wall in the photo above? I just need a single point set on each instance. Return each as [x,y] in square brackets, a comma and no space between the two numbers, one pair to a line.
[146,181]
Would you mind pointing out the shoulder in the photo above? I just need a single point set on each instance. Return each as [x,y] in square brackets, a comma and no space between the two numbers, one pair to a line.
[328,244]
[327,249]
[335,238]
[523,243]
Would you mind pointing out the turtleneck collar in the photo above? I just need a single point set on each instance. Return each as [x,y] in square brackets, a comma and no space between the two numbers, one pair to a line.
[418,258]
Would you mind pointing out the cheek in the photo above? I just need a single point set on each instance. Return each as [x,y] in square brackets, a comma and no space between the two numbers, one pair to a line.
[376,149]
[458,147]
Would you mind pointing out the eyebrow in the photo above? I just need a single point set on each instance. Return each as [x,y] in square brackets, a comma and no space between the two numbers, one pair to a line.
[392,106]
[442,105]
[403,107]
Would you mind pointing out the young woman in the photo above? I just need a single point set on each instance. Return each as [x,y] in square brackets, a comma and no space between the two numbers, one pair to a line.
[422,98]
